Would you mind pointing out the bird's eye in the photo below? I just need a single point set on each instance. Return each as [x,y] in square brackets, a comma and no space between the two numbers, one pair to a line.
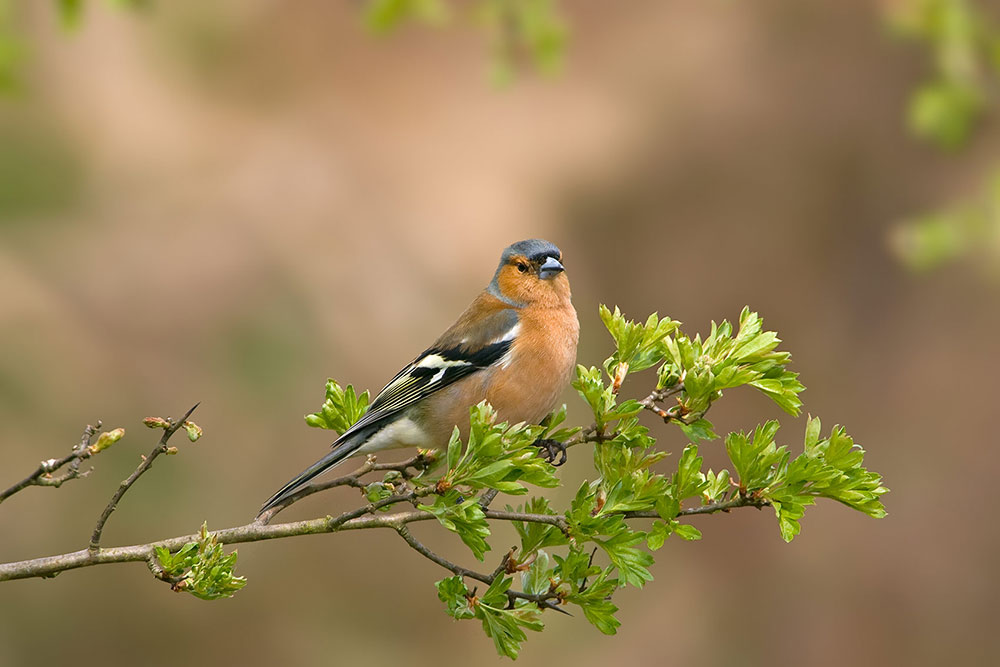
[522,267]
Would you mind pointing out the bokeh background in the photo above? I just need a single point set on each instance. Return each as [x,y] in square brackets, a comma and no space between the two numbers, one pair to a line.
[229,202]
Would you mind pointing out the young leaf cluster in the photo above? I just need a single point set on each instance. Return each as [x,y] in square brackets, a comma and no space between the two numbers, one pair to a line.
[497,455]
[831,467]
[724,361]
[693,371]
[494,456]
[503,623]
[202,568]
[341,409]
[464,518]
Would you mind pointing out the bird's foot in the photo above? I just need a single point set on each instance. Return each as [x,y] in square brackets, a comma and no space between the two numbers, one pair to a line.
[553,451]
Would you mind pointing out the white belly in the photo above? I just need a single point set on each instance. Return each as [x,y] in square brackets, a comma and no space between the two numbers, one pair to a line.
[403,432]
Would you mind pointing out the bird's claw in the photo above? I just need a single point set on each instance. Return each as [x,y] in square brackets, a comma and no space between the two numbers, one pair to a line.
[553,451]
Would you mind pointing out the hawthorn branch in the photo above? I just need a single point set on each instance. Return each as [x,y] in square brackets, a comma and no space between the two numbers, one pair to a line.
[42,476]
[362,518]
[147,461]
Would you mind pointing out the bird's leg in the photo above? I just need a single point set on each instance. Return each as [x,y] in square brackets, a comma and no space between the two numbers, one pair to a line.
[553,451]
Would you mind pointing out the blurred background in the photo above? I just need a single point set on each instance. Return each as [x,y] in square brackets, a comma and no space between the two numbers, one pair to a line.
[229,202]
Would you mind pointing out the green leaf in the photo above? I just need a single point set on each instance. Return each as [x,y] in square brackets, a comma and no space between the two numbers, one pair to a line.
[640,346]
[552,421]
[377,491]
[658,534]
[591,386]
[756,458]
[536,535]
[831,467]
[631,562]
[699,430]
[502,624]
[686,531]
[813,429]
[466,519]
[535,580]
[718,486]
[575,567]
[455,595]
[688,481]
[341,409]
[595,601]
[497,456]
[503,628]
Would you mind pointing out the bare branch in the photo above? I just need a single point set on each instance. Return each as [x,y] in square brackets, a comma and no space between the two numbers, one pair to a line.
[147,461]
[658,396]
[43,475]
[488,579]
[417,546]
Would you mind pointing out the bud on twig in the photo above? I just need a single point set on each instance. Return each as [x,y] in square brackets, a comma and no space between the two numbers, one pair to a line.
[107,439]
[193,430]
[621,370]
[156,422]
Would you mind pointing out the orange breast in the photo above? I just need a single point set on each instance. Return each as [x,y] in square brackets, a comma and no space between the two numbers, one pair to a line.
[526,388]
[541,364]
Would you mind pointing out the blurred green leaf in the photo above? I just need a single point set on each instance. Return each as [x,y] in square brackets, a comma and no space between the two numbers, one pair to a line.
[944,112]
[969,229]
[383,16]
[70,12]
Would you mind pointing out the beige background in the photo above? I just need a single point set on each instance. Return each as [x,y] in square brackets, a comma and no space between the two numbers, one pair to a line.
[229,202]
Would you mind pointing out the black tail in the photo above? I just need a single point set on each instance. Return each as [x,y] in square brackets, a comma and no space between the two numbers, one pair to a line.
[341,451]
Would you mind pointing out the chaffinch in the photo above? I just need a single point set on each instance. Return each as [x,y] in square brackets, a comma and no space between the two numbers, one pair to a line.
[514,346]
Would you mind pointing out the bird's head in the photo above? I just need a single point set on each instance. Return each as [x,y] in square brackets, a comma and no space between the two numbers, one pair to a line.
[531,272]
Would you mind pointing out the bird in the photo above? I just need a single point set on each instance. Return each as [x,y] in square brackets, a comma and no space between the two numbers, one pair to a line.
[514,346]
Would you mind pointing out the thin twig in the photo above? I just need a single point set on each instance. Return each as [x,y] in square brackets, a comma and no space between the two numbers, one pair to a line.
[161,447]
[658,396]
[420,461]
[487,579]
[419,547]
[487,497]
[556,520]
[43,475]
